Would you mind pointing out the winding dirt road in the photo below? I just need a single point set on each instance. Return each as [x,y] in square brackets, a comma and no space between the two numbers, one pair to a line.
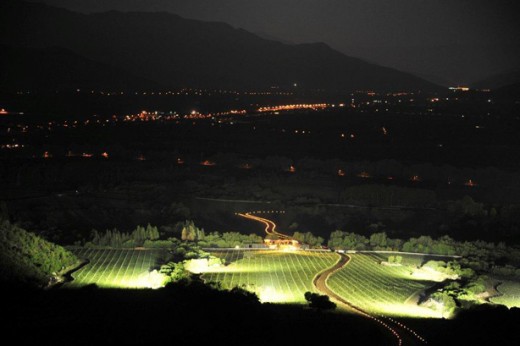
[397,329]
[402,333]
[270,226]
[320,282]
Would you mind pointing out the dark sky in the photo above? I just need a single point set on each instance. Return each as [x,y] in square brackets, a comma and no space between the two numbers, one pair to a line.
[458,41]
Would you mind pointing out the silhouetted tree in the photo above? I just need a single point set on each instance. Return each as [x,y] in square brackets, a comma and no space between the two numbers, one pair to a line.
[319,302]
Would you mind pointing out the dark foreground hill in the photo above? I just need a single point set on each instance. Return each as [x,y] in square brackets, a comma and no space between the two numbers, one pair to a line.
[193,315]
[174,51]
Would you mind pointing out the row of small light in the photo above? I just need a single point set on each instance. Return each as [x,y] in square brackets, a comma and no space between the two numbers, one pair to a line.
[267,212]
[367,315]
[413,332]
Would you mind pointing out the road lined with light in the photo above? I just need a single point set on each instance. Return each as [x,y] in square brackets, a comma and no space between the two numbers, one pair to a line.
[320,282]
[398,330]
[270,226]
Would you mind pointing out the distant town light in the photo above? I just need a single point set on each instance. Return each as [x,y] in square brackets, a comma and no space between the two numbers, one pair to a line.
[459,88]
[208,163]
[470,183]
[416,178]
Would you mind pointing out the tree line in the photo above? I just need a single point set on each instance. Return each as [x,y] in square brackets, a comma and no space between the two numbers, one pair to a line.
[480,256]
[116,239]
[187,231]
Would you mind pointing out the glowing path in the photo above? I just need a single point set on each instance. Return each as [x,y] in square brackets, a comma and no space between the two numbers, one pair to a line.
[398,330]
[270,226]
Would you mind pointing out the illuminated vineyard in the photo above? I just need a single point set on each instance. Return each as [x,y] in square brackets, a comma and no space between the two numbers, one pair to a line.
[276,276]
[279,276]
[510,294]
[381,289]
[118,268]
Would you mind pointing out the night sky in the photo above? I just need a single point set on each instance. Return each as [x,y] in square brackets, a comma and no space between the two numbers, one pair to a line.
[450,41]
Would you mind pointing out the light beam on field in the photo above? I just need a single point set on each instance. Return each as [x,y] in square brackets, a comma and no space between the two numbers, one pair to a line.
[153,280]
[268,294]
[406,310]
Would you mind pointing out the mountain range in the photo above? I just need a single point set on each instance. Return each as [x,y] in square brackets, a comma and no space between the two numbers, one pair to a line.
[49,47]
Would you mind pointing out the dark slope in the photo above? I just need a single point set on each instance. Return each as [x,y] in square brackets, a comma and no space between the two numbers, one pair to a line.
[508,92]
[27,259]
[57,68]
[500,80]
[178,52]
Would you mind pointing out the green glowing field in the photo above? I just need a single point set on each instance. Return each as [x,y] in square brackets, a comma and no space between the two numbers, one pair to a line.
[276,276]
[510,291]
[282,277]
[382,289]
[117,268]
